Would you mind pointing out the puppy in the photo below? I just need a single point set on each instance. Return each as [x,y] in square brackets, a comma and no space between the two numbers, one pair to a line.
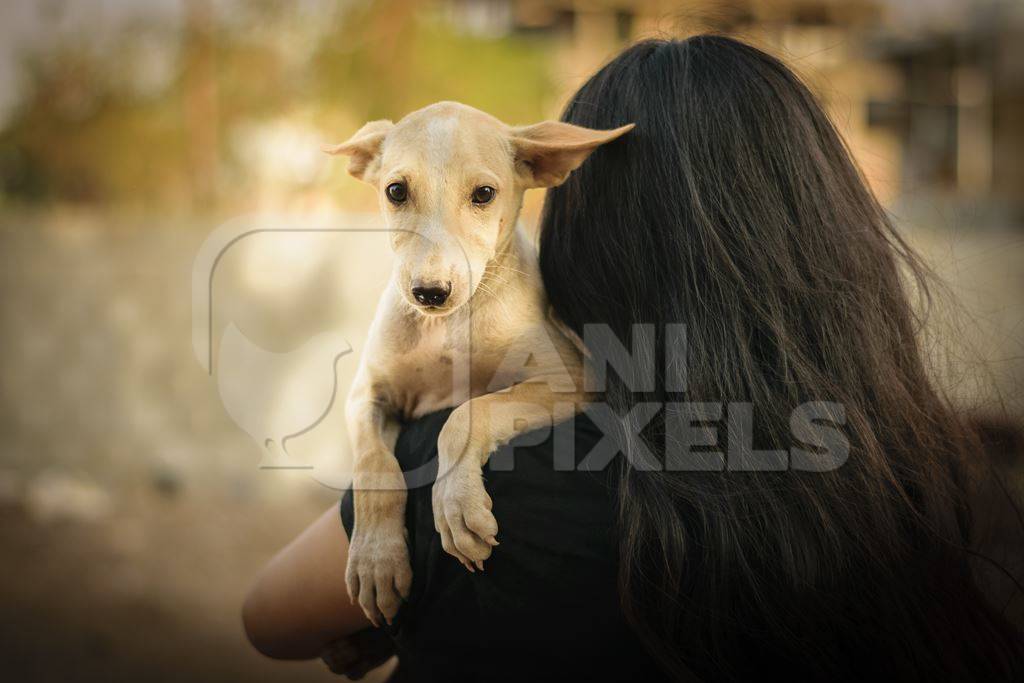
[462,323]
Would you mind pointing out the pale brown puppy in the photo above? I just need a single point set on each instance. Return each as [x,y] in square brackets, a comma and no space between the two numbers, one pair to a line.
[463,323]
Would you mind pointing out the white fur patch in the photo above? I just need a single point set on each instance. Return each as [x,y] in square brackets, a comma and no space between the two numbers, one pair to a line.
[441,133]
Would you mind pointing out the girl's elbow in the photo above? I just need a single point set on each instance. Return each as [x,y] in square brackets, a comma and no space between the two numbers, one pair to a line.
[258,622]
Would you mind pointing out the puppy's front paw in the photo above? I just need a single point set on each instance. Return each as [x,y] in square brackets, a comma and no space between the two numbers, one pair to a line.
[378,574]
[462,515]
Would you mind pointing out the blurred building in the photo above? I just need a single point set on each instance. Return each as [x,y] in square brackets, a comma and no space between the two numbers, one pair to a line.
[960,114]
[929,93]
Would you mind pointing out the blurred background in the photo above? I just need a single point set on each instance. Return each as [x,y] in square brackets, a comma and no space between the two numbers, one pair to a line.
[133,508]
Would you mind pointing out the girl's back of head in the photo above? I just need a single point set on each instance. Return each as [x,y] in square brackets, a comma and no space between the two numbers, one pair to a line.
[735,209]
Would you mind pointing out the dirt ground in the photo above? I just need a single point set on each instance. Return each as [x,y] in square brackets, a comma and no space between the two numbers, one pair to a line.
[153,594]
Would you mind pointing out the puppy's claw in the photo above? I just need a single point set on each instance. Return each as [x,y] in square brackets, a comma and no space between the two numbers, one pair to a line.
[467,527]
[480,565]
[378,576]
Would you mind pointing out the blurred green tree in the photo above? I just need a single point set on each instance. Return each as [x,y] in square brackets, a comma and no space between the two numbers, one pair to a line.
[86,131]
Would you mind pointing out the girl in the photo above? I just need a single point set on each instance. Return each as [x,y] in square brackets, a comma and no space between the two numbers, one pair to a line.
[734,209]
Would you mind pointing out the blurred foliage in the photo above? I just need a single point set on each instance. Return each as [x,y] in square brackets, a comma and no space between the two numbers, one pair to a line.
[93,127]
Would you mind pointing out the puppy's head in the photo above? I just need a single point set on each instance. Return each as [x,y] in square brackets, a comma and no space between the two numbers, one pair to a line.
[450,180]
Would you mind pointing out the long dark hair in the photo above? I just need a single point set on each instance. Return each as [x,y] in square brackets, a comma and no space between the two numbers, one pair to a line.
[734,207]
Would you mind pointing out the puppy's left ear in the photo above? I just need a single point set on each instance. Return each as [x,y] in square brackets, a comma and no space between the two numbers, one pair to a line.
[363,148]
[547,152]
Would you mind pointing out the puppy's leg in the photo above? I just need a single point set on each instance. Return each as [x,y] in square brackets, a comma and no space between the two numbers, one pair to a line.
[474,430]
[378,573]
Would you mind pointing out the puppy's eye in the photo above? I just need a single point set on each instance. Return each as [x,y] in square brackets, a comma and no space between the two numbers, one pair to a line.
[397,192]
[483,195]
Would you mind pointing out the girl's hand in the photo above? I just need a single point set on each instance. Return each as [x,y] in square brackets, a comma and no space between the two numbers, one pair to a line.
[358,654]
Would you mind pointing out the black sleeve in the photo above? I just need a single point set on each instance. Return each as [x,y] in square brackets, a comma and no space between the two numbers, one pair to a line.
[547,603]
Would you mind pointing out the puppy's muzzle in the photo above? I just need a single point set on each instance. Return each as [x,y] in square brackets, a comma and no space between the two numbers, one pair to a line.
[434,294]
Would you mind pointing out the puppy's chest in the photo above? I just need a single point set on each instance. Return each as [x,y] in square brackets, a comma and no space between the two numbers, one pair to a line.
[441,365]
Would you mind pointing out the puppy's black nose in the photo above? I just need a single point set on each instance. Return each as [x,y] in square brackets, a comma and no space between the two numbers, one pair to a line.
[431,296]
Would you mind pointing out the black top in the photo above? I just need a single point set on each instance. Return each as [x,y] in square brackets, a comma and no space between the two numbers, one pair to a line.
[546,606]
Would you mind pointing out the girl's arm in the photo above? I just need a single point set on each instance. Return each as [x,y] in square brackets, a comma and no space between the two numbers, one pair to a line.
[299,604]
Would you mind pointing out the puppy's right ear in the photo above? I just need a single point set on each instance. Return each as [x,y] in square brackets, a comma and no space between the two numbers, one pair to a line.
[547,152]
[363,149]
